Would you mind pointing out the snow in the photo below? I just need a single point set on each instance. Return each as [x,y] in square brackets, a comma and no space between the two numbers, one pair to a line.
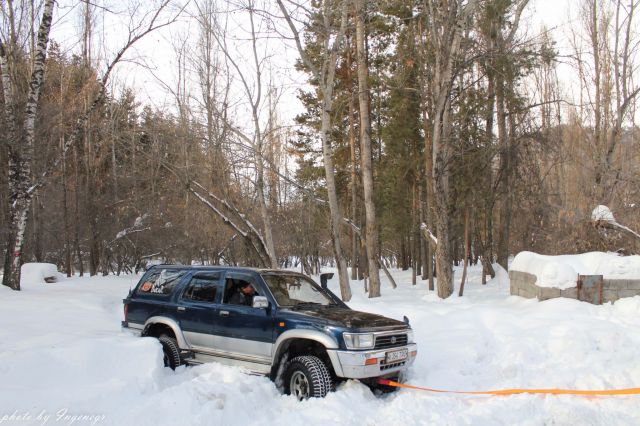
[562,271]
[602,213]
[64,354]
[34,273]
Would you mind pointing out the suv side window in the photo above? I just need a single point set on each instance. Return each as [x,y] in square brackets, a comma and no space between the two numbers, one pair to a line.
[161,282]
[202,288]
[233,285]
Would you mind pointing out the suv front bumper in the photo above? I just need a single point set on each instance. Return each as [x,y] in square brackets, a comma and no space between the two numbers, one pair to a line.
[372,363]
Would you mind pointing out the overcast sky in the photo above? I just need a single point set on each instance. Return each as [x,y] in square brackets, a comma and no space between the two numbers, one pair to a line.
[157,49]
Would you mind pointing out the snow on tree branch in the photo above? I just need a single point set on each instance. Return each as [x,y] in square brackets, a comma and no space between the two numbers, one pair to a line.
[428,234]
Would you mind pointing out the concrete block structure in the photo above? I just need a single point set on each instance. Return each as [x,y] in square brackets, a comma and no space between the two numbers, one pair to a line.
[602,290]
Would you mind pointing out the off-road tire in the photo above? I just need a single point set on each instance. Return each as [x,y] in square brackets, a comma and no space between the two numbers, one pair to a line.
[171,352]
[311,370]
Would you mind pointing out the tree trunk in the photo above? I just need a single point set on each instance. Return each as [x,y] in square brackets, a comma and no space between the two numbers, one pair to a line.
[424,244]
[21,154]
[76,213]
[326,80]
[355,253]
[445,33]
[466,251]
[441,220]
[505,166]
[371,228]
[429,202]
[65,215]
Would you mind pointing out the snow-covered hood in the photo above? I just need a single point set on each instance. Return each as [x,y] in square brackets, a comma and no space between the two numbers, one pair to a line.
[343,317]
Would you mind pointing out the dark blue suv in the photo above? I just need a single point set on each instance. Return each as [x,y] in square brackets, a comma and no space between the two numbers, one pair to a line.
[273,322]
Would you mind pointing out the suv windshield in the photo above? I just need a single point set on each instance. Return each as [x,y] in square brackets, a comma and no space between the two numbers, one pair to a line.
[296,290]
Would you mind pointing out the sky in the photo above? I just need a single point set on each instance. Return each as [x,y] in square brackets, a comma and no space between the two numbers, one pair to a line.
[152,58]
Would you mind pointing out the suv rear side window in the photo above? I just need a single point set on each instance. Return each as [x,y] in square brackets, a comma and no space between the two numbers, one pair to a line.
[161,282]
[202,289]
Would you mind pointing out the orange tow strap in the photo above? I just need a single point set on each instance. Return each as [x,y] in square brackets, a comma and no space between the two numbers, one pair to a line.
[628,391]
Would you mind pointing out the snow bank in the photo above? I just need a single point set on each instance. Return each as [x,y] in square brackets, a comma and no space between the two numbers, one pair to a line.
[39,273]
[562,271]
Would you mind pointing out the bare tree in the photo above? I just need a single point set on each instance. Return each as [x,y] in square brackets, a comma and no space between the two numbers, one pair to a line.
[606,67]
[252,83]
[21,146]
[325,75]
[23,184]
[444,26]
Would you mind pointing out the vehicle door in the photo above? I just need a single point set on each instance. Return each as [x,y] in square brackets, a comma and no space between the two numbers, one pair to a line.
[244,332]
[198,307]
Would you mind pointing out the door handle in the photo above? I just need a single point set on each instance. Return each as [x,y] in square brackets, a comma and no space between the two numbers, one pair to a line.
[181,309]
[224,313]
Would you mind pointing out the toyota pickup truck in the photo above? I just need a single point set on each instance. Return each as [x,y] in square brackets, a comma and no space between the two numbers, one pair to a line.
[283,325]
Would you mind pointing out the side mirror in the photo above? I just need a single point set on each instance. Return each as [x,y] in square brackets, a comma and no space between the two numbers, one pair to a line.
[324,278]
[260,302]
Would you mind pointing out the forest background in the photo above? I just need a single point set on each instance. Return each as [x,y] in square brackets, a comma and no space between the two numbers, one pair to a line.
[365,135]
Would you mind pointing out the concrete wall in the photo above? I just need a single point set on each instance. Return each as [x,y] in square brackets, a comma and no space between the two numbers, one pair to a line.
[613,290]
[524,284]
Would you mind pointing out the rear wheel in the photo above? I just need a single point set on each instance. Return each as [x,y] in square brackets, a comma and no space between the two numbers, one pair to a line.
[306,377]
[171,352]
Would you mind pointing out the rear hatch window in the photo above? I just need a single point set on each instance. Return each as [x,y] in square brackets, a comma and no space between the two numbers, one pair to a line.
[160,282]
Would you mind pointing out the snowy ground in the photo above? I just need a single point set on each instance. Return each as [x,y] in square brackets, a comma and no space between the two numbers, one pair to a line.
[65,360]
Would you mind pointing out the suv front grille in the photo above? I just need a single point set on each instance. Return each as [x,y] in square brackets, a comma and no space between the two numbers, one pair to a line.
[390,341]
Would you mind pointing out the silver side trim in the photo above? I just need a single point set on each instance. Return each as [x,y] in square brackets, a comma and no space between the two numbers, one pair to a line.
[135,326]
[197,339]
[173,325]
[242,347]
[231,355]
[252,367]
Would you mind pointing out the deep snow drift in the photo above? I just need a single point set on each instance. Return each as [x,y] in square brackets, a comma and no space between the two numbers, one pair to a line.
[562,271]
[65,355]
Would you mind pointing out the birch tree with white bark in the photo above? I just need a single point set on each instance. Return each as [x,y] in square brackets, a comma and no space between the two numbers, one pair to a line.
[23,183]
[20,143]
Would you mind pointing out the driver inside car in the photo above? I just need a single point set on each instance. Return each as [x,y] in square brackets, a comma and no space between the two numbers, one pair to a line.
[243,295]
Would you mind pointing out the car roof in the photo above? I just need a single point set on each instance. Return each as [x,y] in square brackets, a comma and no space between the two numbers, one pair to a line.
[222,268]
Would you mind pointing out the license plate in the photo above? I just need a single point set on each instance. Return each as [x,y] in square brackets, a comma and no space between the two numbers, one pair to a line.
[396,356]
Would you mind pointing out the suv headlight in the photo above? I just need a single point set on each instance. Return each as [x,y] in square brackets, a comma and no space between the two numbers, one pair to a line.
[358,341]
[409,336]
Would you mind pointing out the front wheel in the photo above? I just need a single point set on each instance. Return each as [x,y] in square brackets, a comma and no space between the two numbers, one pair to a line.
[306,377]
